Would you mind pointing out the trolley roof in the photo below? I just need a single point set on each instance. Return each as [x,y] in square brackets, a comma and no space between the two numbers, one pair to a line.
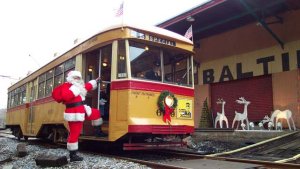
[151,29]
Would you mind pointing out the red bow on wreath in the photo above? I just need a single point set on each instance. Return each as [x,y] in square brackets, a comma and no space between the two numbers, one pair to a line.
[168,112]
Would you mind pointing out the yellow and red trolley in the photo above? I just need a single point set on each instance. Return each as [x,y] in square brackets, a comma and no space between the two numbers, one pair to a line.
[146,95]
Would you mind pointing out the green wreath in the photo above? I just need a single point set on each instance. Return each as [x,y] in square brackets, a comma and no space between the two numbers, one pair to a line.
[161,99]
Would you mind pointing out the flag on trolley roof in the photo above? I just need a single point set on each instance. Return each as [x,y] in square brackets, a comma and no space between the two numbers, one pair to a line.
[189,33]
[120,10]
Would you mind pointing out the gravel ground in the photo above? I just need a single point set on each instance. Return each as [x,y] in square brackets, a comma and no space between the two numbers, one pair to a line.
[211,147]
[205,147]
[8,149]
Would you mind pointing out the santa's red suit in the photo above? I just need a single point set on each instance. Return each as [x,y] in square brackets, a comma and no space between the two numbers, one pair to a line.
[73,94]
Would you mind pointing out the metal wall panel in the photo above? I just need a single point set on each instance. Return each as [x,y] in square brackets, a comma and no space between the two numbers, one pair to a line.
[257,90]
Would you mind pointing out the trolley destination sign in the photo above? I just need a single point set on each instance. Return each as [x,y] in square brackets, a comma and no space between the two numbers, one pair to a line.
[152,38]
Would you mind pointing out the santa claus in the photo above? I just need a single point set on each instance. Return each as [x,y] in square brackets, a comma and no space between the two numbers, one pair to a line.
[72,94]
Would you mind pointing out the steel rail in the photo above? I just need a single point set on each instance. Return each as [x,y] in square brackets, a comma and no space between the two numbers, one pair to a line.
[258,162]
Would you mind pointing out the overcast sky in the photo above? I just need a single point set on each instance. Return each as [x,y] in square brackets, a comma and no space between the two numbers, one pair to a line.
[32,31]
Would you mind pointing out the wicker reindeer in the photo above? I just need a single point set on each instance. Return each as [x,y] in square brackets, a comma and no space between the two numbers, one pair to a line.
[240,117]
[286,114]
[221,116]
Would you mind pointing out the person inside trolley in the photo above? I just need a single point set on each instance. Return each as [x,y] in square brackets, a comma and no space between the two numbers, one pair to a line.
[154,73]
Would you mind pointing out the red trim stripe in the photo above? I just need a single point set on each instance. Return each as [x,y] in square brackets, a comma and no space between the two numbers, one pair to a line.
[35,103]
[43,100]
[23,106]
[161,129]
[151,86]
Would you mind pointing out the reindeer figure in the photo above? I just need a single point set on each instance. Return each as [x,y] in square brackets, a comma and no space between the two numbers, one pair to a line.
[266,119]
[286,114]
[240,117]
[221,116]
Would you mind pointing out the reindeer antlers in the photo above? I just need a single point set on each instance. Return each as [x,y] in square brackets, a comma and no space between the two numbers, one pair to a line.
[220,101]
[242,100]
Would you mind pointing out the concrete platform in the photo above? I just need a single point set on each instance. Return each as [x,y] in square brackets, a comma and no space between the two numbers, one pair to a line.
[229,135]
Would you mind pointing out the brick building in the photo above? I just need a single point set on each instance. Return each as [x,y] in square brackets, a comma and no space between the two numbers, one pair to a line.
[245,48]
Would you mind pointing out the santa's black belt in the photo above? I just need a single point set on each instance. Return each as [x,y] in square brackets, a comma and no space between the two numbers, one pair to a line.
[70,105]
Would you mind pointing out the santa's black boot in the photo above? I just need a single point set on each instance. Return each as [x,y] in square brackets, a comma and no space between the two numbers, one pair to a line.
[74,156]
[99,132]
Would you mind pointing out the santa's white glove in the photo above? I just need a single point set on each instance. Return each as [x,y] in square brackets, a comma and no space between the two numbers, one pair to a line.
[102,102]
[93,83]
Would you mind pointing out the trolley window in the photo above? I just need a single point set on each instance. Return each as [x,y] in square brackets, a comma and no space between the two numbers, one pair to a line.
[49,82]
[178,68]
[58,78]
[68,66]
[145,61]
[23,94]
[11,99]
[160,64]
[121,60]
[8,100]
[16,97]
[59,69]
[41,86]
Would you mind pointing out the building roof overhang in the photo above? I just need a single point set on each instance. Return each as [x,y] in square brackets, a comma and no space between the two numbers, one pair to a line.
[217,16]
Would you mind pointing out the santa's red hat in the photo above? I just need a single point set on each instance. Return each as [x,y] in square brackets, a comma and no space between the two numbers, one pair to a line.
[72,74]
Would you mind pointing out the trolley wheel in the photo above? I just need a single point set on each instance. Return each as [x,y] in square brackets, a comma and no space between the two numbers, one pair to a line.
[18,133]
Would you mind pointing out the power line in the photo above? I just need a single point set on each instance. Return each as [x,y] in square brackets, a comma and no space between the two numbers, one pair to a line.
[9,77]
[34,60]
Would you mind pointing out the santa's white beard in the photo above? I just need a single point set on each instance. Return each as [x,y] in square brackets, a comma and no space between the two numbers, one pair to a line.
[80,85]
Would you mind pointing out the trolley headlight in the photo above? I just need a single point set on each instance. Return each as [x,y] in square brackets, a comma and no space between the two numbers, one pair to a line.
[169,101]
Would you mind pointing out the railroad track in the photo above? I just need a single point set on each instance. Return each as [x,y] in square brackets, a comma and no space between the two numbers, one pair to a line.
[278,152]
[280,149]
[176,159]
[6,133]
[258,163]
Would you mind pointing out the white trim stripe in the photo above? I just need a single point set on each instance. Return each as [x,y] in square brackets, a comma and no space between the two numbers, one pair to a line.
[74,116]
[72,146]
[97,122]
[88,110]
